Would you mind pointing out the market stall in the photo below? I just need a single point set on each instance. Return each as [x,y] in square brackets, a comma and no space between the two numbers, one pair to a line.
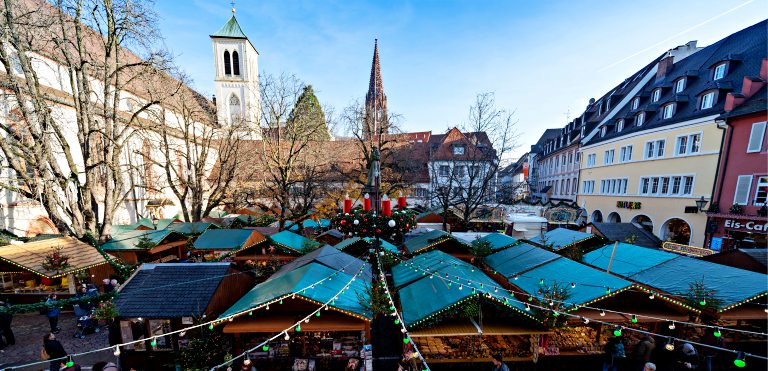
[147,246]
[292,243]
[216,244]
[357,246]
[437,240]
[563,238]
[50,265]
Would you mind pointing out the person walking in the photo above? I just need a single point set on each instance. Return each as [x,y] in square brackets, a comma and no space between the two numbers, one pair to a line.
[710,354]
[53,312]
[5,324]
[53,350]
[642,354]
[687,358]
[498,363]
[614,354]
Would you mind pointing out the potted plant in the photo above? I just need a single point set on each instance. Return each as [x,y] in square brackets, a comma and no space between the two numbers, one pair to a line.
[737,209]
[105,312]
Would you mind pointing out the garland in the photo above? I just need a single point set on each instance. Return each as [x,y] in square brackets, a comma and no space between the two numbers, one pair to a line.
[37,307]
[369,224]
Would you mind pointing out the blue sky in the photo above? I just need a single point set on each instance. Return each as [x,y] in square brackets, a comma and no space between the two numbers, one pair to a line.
[542,59]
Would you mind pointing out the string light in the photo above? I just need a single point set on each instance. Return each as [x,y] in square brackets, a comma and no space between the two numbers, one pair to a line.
[717,333]
[670,346]
[740,360]
[634,318]
[617,331]
[602,313]
[287,337]
[117,350]
[671,325]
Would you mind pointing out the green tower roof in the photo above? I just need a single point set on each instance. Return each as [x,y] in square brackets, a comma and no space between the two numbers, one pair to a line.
[231,30]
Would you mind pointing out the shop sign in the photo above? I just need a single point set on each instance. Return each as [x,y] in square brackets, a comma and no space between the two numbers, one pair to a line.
[628,205]
[563,214]
[716,244]
[686,249]
[749,226]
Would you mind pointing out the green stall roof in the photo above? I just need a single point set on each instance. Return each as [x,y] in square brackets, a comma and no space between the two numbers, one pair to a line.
[308,223]
[733,286]
[347,243]
[628,259]
[128,240]
[591,284]
[164,223]
[122,228]
[191,228]
[384,244]
[227,239]
[518,259]
[561,237]
[368,240]
[426,240]
[292,241]
[425,296]
[303,277]
[499,241]
[330,257]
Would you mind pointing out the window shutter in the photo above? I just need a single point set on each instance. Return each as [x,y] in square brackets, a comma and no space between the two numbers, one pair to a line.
[743,184]
[756,137]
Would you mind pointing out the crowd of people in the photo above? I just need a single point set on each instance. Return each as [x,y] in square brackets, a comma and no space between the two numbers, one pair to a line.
[647,356]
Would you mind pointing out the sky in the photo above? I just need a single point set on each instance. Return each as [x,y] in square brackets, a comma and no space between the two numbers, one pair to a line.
[543,60]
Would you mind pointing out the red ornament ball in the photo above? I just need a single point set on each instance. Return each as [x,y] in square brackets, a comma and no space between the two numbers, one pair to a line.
[343,222]
[378,230]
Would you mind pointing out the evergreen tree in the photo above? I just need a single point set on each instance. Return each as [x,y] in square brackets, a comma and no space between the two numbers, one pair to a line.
[308,113]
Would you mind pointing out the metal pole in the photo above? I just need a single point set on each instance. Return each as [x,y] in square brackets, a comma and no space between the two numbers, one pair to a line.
[615,245]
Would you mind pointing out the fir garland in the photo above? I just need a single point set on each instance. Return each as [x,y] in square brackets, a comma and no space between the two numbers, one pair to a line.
[369,224]
[37,307]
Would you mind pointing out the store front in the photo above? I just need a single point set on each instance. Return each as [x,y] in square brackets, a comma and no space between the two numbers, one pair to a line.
[730,232]
[677,231]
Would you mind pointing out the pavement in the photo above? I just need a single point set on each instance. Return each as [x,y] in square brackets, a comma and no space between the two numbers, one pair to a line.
[29,330]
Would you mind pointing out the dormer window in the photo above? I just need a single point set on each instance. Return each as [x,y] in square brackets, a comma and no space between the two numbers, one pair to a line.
[600,109]
[719,71]
[582,130]
[603,130]
[639,119]
[708,100]
[620,125]
[667,111]
[656,95]
[680,85]
[458,150]
[635,103]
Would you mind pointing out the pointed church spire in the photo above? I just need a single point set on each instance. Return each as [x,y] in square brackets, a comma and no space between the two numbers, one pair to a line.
[376,100]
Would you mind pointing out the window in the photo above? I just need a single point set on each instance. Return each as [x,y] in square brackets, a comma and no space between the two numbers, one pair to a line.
[625,154]
[688,144]
[575,184]
[756,137]
[234,108]
[639,119]
[613,186]
[227,64]
[654,149]
[708,100]
[444,170]
[582,130]
[591,159]
[620,125]
[588,187]
[421,192]
[158,328]
[608,157]
[680,85]
[668,111]
[761,196]
[743,185]
[460,172]
[570,158]
[720,71]
[635,103]
[474,170]
[458,150]
[235,64]
[567,186]
[656,95]
[667,185]
[603,130]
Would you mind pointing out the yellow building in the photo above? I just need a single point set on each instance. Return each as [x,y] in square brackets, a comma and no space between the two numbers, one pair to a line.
[657,152]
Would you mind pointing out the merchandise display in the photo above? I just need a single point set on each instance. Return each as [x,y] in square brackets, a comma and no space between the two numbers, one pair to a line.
[470,347]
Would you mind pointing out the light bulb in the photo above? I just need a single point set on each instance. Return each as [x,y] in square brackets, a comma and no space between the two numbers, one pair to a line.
[586,320]
[717,333]
[573,285]
[671,325]
[740,360]
[602,313]
[634,318]
[267,306]
[527,307]
[651,296]
[181,334]
[287,337]
[117,350]
[670,346]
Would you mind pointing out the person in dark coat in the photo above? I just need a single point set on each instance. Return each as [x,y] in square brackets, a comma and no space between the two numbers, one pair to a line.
[55,351]
[687,358]
[498,363]
[53,313]
[5,324]
[642,354]
[710,354]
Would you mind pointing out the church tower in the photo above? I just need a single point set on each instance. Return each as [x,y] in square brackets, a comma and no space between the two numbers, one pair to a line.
[376,119]
[237,76]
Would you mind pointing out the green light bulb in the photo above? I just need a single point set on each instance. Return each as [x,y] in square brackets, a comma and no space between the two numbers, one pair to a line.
[298,328]
[405,341]
[71,363]
[703,302]
[210,327]
[397,321]
[739,363]
[265,348]
[153,343]
[717,333]
[317,314]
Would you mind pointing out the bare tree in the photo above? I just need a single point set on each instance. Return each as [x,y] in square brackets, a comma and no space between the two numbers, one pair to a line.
[85,46]
[199,158]
[473,158]
[288,160]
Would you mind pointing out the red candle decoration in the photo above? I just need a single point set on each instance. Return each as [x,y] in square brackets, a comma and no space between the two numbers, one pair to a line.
[401,201]
[367,203]
[347,204]
[386,206]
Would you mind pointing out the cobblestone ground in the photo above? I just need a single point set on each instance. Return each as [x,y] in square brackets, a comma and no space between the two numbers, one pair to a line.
[31,327]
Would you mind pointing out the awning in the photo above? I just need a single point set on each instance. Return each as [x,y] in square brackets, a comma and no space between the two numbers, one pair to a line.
[459,327]
[328,321]
[519,229]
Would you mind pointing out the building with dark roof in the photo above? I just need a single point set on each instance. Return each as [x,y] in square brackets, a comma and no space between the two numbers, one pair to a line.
[738,216]
[656,152]
[624,232]
[161,298]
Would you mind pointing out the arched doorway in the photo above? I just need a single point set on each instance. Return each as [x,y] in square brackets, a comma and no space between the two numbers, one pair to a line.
[643,221]
[614,217]
[676,230]
[41,225]
[597,216]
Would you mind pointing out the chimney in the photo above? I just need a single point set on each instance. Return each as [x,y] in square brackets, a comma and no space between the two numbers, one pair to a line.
[749,87]
[665,65]
[674,56]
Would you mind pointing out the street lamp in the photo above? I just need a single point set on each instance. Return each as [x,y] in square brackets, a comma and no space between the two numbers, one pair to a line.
[701,203]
